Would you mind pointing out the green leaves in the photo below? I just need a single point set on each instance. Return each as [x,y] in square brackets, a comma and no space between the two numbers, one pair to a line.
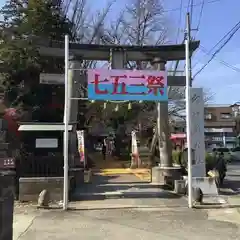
[24,22]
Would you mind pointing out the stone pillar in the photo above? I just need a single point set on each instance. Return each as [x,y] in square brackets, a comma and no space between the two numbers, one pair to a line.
[76,79]
[163,124]
[118,58]
[118,61]
[165,173]
[75,82]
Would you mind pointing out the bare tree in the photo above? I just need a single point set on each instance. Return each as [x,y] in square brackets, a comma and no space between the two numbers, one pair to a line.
[141,22]
[87,27]
[86,24]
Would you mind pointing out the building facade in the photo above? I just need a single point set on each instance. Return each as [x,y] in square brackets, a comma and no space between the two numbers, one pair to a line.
[220,126]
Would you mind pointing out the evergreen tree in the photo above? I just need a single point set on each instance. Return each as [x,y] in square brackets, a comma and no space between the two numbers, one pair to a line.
[24,23]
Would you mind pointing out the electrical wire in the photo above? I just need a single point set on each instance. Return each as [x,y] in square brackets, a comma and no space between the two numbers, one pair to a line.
[179,27]
[188,6]
[200,18]
[179,20]
[226,64]
[194,5]
[191,11]
[222,39]
[201,13]
[231,33]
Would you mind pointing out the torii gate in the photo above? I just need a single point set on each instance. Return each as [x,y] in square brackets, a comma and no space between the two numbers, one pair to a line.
[158,55]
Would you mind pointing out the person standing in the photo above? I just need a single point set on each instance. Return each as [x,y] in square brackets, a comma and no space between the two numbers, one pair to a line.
[221,167]
[104,148]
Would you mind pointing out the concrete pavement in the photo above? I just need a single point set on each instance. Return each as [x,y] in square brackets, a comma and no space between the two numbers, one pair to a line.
[230,191]
[168,223]
[143,212]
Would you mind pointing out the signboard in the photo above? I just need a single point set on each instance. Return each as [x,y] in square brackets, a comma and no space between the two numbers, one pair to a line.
[47,78]
[197,132]
[131,85]
[81,147]
[46,142]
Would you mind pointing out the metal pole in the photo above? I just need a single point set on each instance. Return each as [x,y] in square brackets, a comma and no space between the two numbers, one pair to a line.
[159,129]
[66,120]
[188,113]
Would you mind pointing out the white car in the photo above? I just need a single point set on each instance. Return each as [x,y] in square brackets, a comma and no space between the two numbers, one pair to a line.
[235,153]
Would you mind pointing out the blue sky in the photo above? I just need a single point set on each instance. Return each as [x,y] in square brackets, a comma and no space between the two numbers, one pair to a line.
[217,19]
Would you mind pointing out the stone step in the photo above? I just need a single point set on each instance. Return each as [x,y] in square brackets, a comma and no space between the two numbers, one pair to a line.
[120,194]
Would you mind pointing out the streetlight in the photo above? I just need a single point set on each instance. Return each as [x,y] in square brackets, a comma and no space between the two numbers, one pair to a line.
[236,113]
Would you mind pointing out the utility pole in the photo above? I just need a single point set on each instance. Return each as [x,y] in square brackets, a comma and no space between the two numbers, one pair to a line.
[66,124]
[188,111]
[165,173]
[189,37]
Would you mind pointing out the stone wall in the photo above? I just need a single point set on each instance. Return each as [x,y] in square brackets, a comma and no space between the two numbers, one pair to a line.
[6,205]
[30,188]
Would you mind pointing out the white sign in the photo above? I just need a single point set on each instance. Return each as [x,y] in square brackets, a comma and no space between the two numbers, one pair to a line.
[47,78]
[197,132]
[46,143]
[81,147]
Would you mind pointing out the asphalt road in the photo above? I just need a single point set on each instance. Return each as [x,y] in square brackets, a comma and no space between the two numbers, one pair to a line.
[232,180]
[118,224]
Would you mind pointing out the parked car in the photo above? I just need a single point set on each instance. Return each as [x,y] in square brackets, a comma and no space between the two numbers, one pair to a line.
[226,152]
[235,153]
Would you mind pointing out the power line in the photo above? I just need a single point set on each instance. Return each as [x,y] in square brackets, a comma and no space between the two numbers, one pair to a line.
[191,11]
[179,20]
[188,6]
[231,33]
[226,64]
[199,19]
[219,42]
[179,26]
[200,16]
[194,5]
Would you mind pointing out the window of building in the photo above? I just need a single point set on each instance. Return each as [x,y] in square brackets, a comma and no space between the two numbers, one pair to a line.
[226,115]
[208,116]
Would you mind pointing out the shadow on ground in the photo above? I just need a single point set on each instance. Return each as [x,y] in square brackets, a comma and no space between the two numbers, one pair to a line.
[118,187]
[234,185]
[215,206]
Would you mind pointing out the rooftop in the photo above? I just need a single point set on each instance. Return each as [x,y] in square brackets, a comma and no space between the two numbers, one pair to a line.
[217,105]
[102,52]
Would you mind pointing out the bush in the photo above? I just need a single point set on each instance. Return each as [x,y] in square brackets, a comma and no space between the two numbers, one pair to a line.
[210,160]
[175,157]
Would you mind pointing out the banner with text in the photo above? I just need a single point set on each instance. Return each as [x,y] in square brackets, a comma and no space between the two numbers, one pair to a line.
[131,85]
[81,147]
